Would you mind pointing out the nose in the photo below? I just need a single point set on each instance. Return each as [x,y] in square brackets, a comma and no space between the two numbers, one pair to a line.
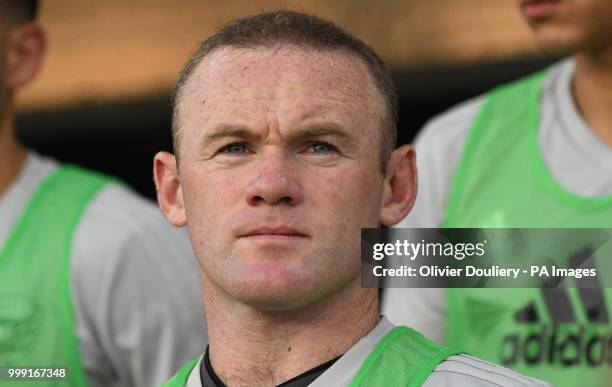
[275,182]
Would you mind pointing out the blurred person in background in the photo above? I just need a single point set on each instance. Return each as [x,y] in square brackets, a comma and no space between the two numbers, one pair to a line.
[284,132]
[91,276]
[534,153]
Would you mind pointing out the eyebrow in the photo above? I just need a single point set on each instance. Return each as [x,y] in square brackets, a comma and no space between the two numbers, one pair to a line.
[323,129]
[310,131]
[224,131]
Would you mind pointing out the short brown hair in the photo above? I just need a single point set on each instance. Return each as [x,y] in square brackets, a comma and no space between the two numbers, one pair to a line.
[303,30]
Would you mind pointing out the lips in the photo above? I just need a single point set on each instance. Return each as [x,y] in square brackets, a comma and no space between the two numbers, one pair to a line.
[273,231]
[536,9]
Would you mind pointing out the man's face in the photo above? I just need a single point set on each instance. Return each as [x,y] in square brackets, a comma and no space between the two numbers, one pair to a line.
[279,171]
[565,26]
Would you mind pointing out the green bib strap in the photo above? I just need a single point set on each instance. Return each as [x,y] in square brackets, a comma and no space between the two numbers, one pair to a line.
[36,316]
[402,358]
[180,378]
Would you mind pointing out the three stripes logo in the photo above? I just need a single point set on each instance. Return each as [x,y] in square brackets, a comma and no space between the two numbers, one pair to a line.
[576,332]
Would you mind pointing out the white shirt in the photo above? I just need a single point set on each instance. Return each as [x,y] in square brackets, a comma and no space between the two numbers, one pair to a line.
[134,283]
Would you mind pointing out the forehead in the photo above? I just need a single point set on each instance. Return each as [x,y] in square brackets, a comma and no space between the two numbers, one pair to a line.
[283,78]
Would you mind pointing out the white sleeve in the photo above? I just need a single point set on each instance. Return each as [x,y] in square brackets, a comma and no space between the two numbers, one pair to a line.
[438,146]
[464,370]
[136,294]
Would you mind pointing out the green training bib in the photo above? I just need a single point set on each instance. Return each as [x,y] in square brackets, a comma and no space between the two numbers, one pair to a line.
[36,318]
[563,336]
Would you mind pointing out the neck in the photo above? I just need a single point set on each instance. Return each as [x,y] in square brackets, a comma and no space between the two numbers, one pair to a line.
[253,347]
[12,154]
[592,89]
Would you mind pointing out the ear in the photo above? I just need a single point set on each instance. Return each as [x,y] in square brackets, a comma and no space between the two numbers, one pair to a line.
[400,186]
[169,192]
[26,48]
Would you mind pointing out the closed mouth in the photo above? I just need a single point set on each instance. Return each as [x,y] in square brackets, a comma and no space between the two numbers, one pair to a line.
[536,9]
[278,232]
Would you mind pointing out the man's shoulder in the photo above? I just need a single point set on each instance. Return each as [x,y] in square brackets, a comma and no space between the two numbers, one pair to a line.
[440,142]
[117,216]
[465,370]
[119,223]
[458,119]
[114,201]
[454,370]
[188,375]
[118,203]
[439,146]
[120,231]
[451,124]
[457,116]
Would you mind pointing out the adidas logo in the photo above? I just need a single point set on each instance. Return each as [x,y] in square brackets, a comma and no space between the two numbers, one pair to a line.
[564,341]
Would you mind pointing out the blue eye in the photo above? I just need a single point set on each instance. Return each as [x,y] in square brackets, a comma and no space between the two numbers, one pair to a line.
[322,148]
[235,148]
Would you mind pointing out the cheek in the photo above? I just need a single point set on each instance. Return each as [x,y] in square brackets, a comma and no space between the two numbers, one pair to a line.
[209,198]
[345,203]
[350,198]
